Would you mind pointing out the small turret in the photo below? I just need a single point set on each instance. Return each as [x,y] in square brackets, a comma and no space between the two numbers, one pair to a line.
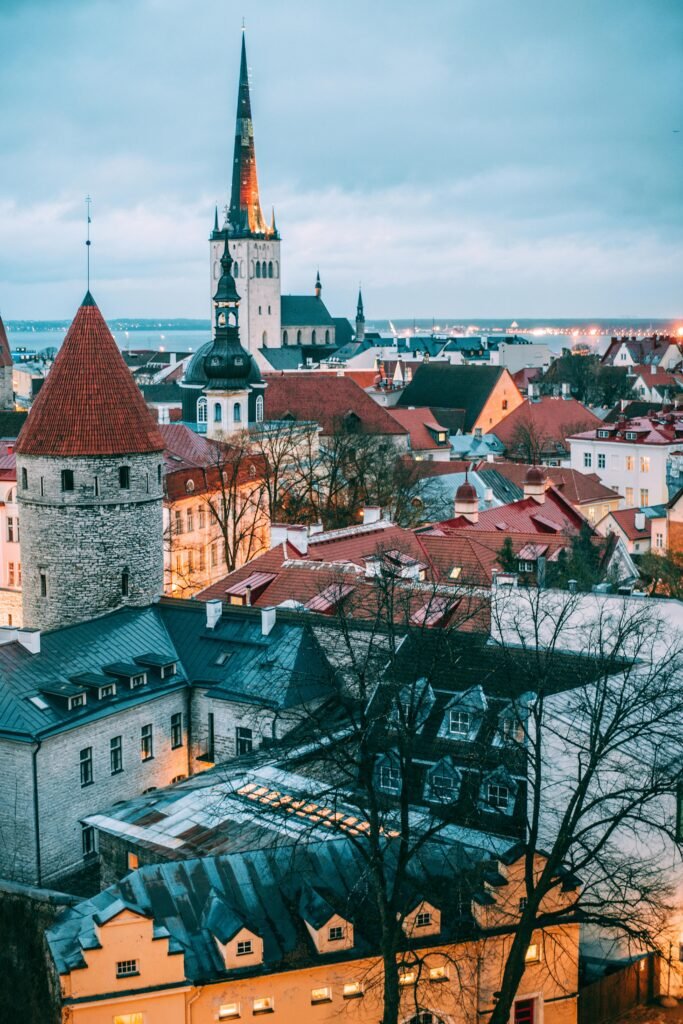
[535,483]
[467,502]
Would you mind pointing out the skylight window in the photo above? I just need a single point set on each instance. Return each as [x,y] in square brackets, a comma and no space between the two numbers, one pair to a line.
[39,703]
[223,658]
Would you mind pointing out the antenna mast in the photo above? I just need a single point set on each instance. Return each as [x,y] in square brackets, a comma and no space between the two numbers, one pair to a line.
[88,204]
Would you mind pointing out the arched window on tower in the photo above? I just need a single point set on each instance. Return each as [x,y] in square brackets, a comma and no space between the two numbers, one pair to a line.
[258,269]
[217,412]
[125,583]
[298,337]
[201,410]
[285,338]
[237,412]
[235,269]
[313,336]
[277,269]
[259,409]
[264,269]
[327,337]
[270,269]
[264,339]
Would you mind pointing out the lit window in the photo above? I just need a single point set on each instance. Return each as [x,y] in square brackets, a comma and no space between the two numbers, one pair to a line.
[459,723]
[630,462]
[86,766]
[438,973]
[423,919]
[352,989]
[130,1018]
[497,796]
[407,977]
[190,515]
[244,947]
[628,497]
[644,463]
[532,955]
[178,519]
[335,933]
[321,995]
[229,1011]
[455,572]
[644,497]
[201,518]
[266,1004]
[132,861]
[125,968]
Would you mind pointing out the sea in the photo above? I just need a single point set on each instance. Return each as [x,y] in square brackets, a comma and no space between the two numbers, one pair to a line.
[28,338]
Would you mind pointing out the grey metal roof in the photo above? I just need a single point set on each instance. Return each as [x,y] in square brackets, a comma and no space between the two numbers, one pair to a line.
[291,357]
[278,670]
[304,311]
[272,892]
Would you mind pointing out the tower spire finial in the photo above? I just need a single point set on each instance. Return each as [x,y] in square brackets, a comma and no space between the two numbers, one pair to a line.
[318,285]
[88,204]
[246,217]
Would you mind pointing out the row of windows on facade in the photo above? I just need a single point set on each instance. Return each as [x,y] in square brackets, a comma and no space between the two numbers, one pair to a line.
[259,268]
[300,337]
[217,413]
[629,462]
[189,560]
[68,480]
[244,744]
[124,583]
[87,773]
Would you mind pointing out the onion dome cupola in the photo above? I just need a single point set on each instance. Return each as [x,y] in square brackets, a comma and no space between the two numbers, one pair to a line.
[226,364]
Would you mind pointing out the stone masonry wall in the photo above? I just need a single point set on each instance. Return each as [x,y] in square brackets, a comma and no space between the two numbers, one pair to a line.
[17,833]
[83,541]
[63,802]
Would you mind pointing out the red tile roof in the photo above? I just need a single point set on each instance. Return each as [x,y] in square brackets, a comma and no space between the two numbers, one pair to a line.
[325,399]
[648,430]
[626,520]
[556,515]
[191,457]
[5,354]
[89,403]
[417,422]
[579,488]
[549,420]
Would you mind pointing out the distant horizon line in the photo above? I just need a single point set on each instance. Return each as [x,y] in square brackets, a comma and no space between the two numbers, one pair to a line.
[198,323]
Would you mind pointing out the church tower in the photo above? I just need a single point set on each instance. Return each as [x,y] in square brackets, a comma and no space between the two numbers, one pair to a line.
[360,318]
[255,244]
[89,485]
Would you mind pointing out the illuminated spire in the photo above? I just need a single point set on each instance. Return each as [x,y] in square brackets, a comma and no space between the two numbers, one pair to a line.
[245,216]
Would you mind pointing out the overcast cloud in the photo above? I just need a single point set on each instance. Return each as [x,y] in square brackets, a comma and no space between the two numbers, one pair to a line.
[460,157]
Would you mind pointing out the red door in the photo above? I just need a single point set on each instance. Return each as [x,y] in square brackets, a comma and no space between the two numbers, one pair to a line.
[524,1011]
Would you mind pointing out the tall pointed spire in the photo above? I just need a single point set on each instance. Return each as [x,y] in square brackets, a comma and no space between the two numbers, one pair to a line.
[245,216]
[360,318]
[318,285]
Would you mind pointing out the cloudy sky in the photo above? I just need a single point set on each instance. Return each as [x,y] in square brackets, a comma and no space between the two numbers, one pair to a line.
[460,157]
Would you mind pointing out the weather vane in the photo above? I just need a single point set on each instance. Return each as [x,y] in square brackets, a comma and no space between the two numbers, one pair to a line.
[88,204]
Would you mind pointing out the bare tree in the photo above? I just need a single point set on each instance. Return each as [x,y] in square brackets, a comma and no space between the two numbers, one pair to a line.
[236,498]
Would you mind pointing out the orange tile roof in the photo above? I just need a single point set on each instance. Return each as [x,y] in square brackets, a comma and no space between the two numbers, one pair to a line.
[89,403]
[417,422]
[579,488]
[550,419]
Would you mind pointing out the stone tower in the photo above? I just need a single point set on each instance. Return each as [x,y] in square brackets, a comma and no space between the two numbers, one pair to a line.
[255,244]
[6,370]
[226,364]
[360,318]
[89,485]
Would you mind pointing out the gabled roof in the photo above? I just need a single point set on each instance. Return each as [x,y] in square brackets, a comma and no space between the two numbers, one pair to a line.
[625,518]
[326,399]
[89,404]
[579,488]
[448,386]
[5,354]
[548,421]
[555,516]
[304,311]
[422,427]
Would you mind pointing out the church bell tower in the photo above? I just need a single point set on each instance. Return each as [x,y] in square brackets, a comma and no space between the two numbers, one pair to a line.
[255,245]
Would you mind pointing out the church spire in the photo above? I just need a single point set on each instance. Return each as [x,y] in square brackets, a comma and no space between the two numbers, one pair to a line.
[318,285]
[245,216]
[360,317]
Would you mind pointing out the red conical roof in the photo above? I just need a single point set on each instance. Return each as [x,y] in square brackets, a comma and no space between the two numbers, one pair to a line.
[5,354]
[89,403]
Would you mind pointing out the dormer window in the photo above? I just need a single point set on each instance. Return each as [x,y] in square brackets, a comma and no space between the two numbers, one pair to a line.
[423,920]
[77,701]
[106,691]
[136,681]
[443,782]
[335,933]
[459,723]
[603,433]
[388,775]
[498,791]
[631,435]
[497,796]
[244,947]
[168,670]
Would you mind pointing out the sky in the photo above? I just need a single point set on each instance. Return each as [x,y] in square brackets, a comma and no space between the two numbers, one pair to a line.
[461,158]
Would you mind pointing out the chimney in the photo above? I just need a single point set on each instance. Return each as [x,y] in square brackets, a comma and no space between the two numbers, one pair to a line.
[29,639]
[214,610]
[639,521]
[477,432]
[268,616]
[565,391]
[653,368]
[488,495]
[371,514]
[296,535]
[490,457]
